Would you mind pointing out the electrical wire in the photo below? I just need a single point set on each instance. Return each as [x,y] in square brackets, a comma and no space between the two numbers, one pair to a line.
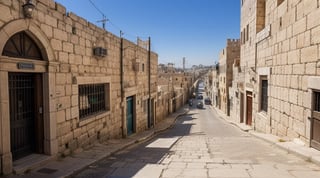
[113,24]
[93,4]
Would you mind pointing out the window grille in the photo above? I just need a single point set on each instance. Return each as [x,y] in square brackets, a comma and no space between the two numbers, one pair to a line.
[92,99]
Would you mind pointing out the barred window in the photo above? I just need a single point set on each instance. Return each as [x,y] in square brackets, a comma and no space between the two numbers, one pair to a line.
[264,95]
[93,99]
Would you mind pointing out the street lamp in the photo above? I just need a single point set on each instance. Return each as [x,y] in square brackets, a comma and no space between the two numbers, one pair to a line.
[28,8]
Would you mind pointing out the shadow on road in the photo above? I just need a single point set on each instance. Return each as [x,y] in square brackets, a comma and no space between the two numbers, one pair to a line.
[144,159]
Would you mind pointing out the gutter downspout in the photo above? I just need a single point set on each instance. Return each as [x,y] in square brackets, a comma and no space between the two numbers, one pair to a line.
[124,133]
[150,122]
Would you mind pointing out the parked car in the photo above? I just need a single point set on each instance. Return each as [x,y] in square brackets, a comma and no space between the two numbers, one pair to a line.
[207,101]
[200,105]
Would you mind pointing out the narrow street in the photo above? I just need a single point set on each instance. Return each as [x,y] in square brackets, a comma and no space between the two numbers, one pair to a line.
[203,145]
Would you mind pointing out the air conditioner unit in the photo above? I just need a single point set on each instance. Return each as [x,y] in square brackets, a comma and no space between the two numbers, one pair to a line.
[99,51]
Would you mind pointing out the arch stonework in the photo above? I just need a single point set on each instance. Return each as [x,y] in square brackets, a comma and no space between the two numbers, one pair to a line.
[31,29]
[48,72]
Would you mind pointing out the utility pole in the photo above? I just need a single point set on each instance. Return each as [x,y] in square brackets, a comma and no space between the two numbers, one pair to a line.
[150,114]
[123,120]
[104,20]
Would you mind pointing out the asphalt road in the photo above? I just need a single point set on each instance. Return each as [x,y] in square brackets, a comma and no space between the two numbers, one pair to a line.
[203,145]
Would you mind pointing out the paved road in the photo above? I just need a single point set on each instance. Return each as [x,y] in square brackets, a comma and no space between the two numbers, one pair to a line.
[203,145]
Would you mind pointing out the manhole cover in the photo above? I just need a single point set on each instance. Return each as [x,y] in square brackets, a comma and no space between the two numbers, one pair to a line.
[47,170]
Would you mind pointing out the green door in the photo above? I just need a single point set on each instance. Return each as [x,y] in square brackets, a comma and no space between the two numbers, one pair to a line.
[130,115]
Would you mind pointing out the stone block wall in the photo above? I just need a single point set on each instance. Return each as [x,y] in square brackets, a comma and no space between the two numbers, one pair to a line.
[226,60]
[67,42]
[286,51]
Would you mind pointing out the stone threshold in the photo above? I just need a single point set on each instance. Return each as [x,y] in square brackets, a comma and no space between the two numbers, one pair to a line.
[30,162]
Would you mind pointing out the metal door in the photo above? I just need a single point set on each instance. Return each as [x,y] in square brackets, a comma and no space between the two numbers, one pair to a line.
[26,123]
[315,123]
[130,115]
[249,109]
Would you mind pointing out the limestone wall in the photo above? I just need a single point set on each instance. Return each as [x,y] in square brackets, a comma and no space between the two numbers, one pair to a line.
[226,60]
[67,42]
[286,51]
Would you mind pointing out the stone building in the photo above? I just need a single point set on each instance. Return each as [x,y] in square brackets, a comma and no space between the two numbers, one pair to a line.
[174,90]
[208,84]
[65,83]
[226,60]
[164,102]
[235,96]
[215,85]
[280,61]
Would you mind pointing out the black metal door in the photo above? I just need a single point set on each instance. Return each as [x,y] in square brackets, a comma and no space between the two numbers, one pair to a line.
[22,114]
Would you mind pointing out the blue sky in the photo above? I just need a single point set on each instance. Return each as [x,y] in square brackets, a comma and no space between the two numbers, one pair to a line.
[194,29]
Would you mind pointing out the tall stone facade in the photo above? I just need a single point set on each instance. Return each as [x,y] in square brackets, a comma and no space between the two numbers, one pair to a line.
[280,65]
[174,90]
[226,60]
[215,85]
[235,96]
[66,83]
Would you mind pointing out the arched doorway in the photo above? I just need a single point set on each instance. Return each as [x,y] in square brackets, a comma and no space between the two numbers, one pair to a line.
[25,97]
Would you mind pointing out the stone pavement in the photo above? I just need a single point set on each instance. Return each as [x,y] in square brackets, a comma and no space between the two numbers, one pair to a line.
[296,146]
[67,166]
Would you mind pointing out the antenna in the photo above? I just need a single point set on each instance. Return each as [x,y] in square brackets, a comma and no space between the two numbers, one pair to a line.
[104,20]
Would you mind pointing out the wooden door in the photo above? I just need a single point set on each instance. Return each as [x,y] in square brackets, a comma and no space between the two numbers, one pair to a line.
[241,107]
[26,121]
[249,110]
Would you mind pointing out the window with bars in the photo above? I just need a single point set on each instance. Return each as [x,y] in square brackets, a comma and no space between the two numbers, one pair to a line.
[264,95]
[93,99]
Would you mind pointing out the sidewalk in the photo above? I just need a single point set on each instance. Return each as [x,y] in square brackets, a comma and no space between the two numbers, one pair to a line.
[294,147]
[67,166]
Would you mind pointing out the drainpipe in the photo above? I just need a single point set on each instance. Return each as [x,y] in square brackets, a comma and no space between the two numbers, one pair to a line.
[149,83]
[255,57]
[124,133]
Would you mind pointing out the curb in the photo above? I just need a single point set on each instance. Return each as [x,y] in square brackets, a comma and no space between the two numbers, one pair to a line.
[286,146]
[130,143]
[229,121]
